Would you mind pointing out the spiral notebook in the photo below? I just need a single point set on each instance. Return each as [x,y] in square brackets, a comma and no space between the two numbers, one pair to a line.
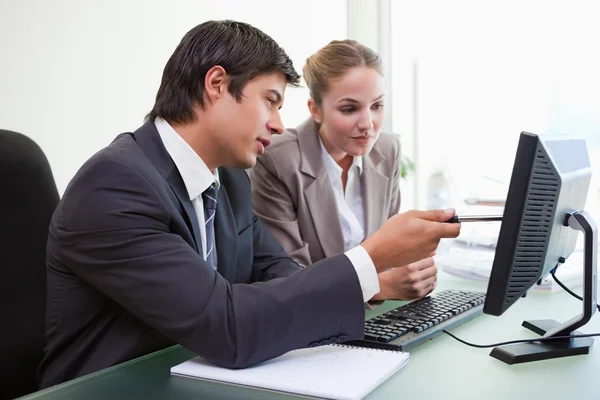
[330,371]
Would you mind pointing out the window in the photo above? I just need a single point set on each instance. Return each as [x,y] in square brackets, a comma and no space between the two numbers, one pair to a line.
[469,76]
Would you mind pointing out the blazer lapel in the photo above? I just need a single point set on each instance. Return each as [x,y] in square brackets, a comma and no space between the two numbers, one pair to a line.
[191,219]
[375,192]
[319,194]
[225,237]
[149,140]
[325,215]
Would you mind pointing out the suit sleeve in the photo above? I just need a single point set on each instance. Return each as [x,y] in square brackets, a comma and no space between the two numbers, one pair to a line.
[395,203]
[270,259]
[273,203]
[113,232]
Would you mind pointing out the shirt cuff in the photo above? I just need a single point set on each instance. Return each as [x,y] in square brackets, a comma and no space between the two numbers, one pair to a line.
[365,270]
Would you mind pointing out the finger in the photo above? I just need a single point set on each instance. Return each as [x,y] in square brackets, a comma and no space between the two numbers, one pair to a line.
[448,230]
[427,273]
[429,290]
[422,264]
[427,284]
[442,229]
[437,215]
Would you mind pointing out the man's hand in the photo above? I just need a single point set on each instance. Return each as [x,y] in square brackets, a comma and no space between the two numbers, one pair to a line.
[410,282]
[409,237]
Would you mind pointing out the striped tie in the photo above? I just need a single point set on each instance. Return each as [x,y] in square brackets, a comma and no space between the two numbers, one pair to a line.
[209,197]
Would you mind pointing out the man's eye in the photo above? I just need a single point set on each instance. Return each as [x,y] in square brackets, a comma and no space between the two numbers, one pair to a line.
[271,100]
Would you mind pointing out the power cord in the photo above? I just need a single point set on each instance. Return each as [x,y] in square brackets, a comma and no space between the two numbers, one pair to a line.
[548,339]
[483,346]
[562,285]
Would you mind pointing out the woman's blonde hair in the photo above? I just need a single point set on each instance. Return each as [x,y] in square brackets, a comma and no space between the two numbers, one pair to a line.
[332,61]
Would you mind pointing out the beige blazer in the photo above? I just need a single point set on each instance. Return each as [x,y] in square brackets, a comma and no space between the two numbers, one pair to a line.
[292,193]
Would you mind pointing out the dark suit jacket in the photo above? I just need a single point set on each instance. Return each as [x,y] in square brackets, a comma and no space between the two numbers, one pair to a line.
[125,277]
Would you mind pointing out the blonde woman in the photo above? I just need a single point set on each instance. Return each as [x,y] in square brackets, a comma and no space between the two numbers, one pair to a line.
[331,182]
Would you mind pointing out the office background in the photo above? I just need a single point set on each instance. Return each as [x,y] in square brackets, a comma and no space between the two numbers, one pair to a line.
[464,77]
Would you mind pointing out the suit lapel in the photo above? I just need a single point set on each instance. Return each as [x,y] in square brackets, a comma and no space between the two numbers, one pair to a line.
[225,237]
[375,192]
[191,218]
[319,194]
[149,141]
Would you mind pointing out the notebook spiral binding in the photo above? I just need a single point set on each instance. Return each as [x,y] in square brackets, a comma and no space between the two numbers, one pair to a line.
[368,346]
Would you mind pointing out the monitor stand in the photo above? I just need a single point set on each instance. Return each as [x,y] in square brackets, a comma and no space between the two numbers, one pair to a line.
[535,351]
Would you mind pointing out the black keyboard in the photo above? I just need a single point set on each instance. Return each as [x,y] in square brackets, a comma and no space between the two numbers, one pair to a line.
[414,323]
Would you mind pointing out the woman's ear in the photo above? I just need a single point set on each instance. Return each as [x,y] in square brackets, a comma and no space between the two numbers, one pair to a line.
[315,111]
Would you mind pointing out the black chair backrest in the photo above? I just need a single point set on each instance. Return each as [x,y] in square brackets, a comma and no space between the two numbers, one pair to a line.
[28,197]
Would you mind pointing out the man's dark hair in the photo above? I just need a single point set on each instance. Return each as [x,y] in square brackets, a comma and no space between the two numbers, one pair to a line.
[244,51]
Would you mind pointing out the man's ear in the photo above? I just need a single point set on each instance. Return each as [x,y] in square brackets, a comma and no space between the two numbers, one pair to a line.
[315,111]
[215,83]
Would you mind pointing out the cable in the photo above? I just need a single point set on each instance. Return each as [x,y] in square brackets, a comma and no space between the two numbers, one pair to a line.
[562,285]
[566,288]
[547,339]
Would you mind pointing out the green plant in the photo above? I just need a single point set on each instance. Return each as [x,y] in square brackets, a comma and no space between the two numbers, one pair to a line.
[406,166]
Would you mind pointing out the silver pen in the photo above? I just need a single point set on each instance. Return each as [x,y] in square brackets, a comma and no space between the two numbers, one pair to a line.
[474,218]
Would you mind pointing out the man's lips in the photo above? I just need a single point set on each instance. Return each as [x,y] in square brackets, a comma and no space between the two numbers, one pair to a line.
[264,141]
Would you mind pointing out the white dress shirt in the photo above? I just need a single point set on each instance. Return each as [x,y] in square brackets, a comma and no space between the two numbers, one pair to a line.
[194,172]
[197,178]
[350,207]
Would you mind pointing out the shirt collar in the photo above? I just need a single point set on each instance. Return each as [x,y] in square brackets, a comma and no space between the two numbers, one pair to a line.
[333,169]
[194,172]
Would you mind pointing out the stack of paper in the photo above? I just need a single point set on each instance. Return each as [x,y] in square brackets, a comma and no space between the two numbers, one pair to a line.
[481,234]
[475,262]
[486,188]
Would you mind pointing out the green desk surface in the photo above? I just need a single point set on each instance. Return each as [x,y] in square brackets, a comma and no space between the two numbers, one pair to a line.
[439,369]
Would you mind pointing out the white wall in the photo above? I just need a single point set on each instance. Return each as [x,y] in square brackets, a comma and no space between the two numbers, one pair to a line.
[75,73]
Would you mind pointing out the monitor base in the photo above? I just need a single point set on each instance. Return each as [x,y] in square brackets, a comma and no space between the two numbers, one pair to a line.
[537,351]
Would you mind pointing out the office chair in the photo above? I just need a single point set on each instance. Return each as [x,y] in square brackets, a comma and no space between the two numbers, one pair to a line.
[28,197]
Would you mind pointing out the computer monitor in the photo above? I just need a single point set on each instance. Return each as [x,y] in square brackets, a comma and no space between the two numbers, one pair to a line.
[542,216]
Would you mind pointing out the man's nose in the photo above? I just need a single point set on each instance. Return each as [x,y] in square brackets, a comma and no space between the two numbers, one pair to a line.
[275,125]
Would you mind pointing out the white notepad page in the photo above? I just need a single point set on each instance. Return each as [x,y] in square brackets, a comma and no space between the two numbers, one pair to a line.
[330,371]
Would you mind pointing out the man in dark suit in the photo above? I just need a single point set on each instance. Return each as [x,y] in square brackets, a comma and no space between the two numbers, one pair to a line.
[154,241]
